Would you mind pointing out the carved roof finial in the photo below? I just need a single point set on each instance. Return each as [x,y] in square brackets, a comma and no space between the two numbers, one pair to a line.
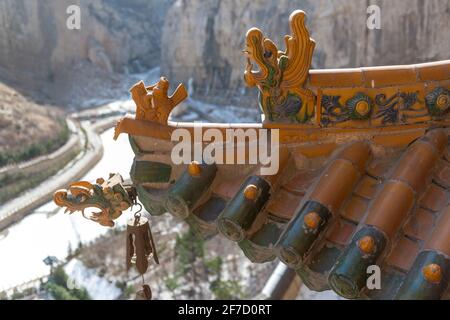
[282,74]
[153,102]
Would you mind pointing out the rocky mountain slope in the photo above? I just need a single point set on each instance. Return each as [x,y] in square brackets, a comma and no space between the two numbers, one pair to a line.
[203,39]
[23,124]
[39,53]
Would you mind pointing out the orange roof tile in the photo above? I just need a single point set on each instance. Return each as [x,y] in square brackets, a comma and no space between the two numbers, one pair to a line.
[420,224]
[403,254]
[397,197]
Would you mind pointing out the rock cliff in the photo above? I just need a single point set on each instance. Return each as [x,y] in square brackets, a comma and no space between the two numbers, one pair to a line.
[199,39]
[116,36]
[203,39]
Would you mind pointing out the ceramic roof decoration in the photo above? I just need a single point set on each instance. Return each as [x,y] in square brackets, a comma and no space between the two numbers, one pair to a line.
[363,179]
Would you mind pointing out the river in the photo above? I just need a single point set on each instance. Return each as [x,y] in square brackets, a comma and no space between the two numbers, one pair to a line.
[49,232]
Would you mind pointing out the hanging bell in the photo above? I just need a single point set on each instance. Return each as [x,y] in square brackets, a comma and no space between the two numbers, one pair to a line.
[140,247]
[144,294]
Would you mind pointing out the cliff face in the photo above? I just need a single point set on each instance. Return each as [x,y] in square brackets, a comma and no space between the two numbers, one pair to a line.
[199,39]
[203,39]
[115,36]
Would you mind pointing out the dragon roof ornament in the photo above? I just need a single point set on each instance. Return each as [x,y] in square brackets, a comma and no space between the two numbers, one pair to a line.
[282,74]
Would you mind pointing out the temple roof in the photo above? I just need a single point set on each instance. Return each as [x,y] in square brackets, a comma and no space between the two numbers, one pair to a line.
[352,192]
[363,180]
[361,205]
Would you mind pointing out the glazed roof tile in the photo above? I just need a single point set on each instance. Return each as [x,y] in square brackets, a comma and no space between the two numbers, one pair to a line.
[372,77]
[401,192]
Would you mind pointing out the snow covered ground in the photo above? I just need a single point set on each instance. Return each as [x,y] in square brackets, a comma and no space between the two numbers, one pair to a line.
[98,287]
[306,294]
[200,111]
